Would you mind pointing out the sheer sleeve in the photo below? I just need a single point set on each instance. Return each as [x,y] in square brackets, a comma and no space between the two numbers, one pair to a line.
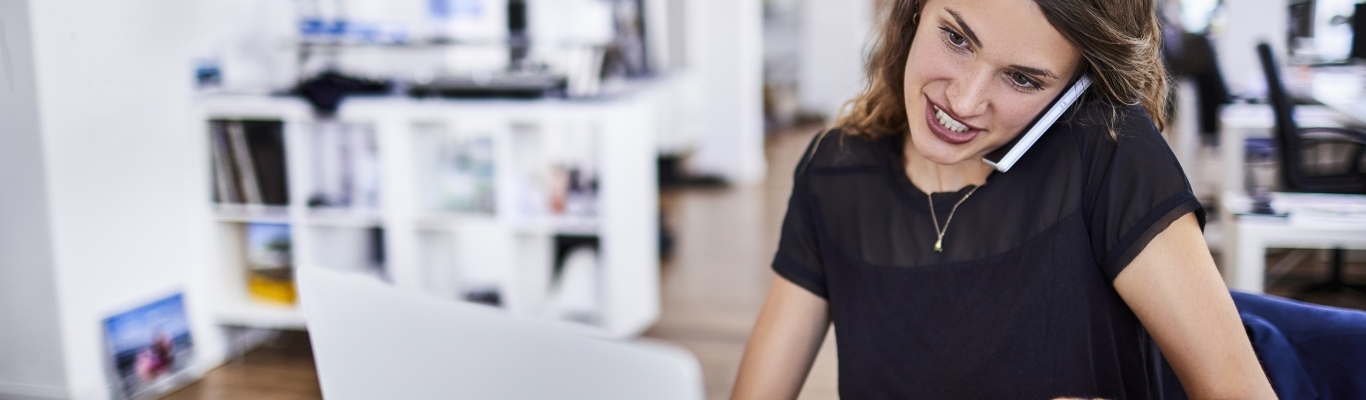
[798,259]
[1135,187]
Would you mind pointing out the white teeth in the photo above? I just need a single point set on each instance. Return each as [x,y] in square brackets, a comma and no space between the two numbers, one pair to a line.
[948,121]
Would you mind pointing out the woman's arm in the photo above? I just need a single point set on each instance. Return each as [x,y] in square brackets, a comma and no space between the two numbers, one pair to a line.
[786,337]
[1175,290]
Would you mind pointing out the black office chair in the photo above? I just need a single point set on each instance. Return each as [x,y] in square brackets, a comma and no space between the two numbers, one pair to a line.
[1316,160]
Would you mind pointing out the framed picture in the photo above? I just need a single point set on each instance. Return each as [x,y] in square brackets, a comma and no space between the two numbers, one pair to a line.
[149,349]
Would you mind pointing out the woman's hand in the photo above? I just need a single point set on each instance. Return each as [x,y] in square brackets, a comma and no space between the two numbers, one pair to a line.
[1175,290]
[783,344]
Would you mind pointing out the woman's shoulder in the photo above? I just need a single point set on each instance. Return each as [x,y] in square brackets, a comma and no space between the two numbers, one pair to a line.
[838,148]
[1101,129]
[1120,147]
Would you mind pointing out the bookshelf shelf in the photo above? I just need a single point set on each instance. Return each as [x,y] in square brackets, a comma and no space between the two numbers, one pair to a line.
[244,312]
[559,225]
[341,217]
[438,221]
[461,199]
[248,213]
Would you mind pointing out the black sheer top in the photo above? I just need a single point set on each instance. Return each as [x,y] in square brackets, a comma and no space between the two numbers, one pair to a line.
[1020,303]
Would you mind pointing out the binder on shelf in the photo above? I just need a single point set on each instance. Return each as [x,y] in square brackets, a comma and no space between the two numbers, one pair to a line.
[267,146]
[224,175]
[237,141]
[249,162]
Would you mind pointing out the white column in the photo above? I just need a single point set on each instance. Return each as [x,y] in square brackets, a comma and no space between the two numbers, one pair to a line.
[835,36]
[30,329]
[125,166]
[1245,23]
[728,57]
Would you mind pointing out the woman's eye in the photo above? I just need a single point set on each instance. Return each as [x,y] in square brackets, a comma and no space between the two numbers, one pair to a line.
[954,38]
[1023,81]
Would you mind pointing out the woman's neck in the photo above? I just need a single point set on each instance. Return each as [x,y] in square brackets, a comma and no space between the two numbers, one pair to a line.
[933,177]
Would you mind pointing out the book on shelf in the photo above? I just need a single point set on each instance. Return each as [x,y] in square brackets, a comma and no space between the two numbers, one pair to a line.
[345,166]
[267,146]
[249,162]
[243,160]
[227,187]
[270,266]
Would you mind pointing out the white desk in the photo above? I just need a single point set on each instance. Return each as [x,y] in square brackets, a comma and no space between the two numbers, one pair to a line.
[1247,236]
[1342,89]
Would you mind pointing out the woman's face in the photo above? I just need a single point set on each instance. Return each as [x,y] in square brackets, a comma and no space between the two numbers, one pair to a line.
[978,72]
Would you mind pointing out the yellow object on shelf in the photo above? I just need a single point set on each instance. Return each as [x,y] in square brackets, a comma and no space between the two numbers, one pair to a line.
[270,289]
[270,266]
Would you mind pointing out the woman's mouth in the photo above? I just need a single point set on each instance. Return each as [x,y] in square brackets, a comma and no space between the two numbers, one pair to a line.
[945,127]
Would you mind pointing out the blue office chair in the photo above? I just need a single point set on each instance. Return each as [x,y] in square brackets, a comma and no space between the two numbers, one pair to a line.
[1316,160]
[1308,351]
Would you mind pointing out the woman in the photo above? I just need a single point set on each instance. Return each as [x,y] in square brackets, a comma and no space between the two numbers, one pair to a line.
[1049,280]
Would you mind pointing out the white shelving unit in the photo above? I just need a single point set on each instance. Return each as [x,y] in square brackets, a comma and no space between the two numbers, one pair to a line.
[511,247]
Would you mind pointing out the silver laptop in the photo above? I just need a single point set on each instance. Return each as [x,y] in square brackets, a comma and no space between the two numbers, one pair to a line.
[373,341]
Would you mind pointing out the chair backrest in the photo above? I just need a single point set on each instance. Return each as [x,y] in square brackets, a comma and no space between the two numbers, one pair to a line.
[1287,141]
[374,341]
[1358,25]
[1323,344]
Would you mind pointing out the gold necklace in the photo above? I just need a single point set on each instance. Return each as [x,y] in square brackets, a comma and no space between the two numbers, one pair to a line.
[939,244]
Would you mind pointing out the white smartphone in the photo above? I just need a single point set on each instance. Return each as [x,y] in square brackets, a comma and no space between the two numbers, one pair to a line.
[1006,156]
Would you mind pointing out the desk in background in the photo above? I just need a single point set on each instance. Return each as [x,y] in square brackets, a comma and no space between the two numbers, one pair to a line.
[1339,88]
[1246,236]
[1302,220]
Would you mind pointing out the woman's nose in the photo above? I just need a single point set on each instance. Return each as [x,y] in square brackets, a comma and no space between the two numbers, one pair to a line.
[968,95]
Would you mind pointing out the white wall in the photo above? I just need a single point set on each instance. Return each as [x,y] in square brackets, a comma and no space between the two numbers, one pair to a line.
[835,35]
[128,213]
[1245,23]
[727,58]
[30,340]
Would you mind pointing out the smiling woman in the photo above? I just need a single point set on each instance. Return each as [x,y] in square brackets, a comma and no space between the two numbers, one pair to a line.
[1081,272]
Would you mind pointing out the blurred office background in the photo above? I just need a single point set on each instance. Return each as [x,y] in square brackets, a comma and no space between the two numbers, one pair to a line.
[619,167]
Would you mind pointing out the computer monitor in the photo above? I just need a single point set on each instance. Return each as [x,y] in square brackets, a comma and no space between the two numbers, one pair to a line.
[1359,33]
[374,341]
[1320,31]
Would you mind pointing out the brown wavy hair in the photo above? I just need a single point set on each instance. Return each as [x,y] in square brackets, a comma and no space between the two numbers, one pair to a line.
[1119,40]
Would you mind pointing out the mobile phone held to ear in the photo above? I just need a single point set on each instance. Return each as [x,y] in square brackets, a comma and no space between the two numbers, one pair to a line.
[1006,156]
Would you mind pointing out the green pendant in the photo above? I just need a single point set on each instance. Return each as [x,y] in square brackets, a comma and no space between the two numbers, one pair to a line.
[939,245]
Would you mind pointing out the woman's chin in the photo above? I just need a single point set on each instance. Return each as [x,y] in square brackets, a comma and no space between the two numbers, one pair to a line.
[939,152]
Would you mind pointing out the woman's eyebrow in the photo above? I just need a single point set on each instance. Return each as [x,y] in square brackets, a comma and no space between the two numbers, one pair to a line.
[1033,71]
[964,25]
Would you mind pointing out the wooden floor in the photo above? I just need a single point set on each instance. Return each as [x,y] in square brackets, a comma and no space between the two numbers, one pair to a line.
[715,283]
[713,287]
[282,369]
